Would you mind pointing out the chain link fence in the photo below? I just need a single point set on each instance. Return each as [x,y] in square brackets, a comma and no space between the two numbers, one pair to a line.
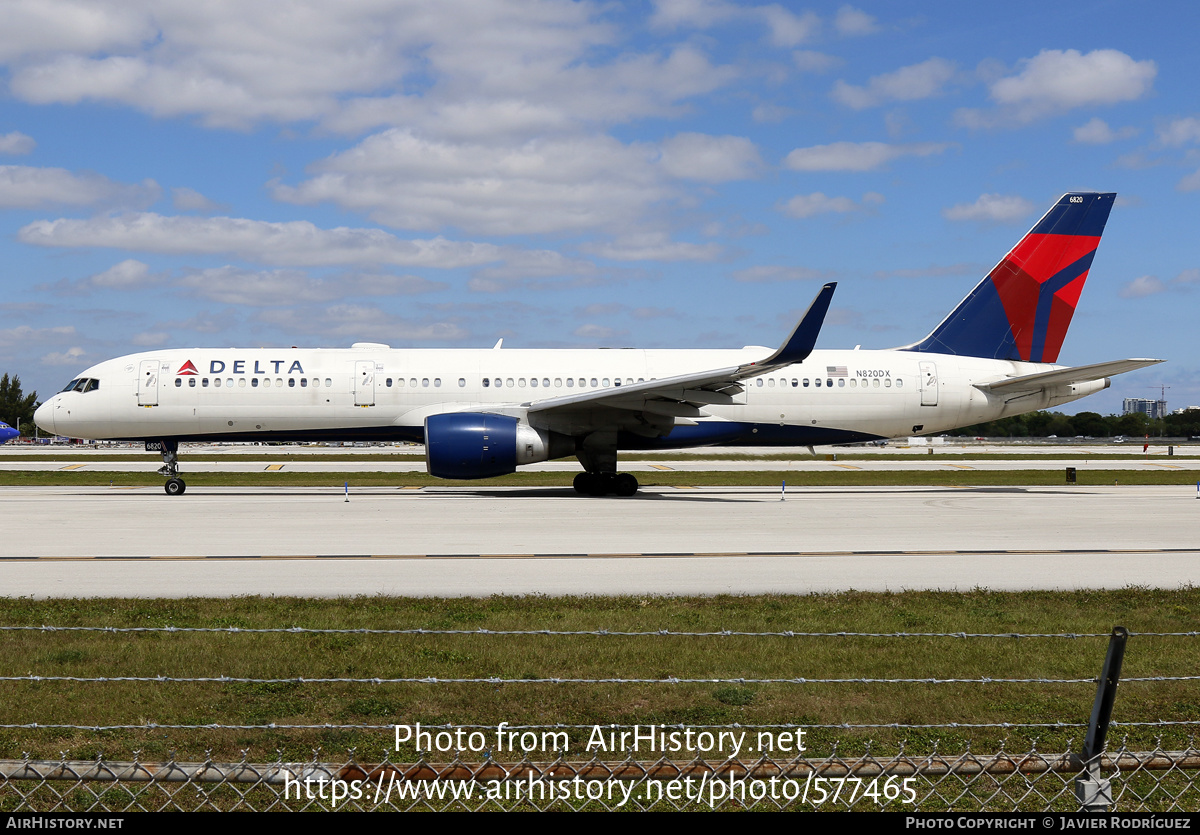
[1134,781]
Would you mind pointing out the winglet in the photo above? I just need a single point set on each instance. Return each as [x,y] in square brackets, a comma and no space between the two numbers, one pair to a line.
[804,337]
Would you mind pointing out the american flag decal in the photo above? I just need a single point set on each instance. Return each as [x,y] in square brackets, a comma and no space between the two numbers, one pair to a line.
[835,371]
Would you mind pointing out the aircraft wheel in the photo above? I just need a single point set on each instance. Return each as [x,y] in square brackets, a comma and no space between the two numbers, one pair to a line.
[174,487]
[626,485]
[582,484]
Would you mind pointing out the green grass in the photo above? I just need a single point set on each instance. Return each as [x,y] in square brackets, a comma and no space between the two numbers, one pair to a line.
[513,659]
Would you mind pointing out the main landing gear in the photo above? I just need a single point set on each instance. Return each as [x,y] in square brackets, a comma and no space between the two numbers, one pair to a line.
[603,484]
[170,456]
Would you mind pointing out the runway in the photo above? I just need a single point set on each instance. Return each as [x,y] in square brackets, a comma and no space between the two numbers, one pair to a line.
[64,542]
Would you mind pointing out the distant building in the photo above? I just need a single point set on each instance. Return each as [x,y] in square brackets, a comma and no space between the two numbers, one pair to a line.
[1152,409]
[1185,410]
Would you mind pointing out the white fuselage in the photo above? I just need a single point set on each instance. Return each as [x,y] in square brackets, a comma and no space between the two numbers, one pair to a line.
[375,392]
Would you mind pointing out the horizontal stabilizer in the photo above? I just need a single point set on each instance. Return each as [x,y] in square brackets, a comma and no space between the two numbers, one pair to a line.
[1064,376]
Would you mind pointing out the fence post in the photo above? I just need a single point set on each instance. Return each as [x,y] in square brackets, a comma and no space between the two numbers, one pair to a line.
[1093,792]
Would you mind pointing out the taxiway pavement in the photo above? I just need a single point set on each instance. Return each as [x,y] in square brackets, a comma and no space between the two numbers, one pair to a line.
[65,542]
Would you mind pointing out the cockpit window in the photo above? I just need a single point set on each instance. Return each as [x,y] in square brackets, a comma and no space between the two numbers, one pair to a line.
[82,384]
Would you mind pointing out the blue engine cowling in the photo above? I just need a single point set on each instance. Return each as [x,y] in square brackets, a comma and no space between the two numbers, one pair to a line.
[470,445]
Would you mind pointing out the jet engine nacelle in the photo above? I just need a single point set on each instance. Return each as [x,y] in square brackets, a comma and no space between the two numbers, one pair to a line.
[482,445]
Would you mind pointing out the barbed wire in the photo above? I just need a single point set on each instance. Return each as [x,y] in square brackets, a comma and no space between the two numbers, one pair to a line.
[725,633]
[849,726]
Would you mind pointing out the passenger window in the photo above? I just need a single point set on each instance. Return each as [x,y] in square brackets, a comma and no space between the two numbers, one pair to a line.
[499,383]
[228,382]
[558,382]
[328,382]
[303,382]
[595,383]
[389,382]
[462,382]
[875,382]
[771,382]
[806,382]
[204,382]
[279,382]
[191,382]
[899,383]
[412,382]
[486,382]
[425,382]
[887,382]
[399,382]
[241,382]
[605,382]
[795,382]
[217,382]
[316,382]
[437,382]
[758,382]
[583,382]
[178,383]
[842,382]
[508,381]
[521,382]
[533,382]
[266,382]
[829,383]
[853,383]
[570,382]
[546,382]
[292,382]
[253,382]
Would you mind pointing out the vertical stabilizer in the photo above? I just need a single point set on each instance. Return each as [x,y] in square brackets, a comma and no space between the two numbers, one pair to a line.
[1022,308]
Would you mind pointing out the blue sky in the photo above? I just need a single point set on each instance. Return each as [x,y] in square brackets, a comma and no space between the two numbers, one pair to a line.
[683,173]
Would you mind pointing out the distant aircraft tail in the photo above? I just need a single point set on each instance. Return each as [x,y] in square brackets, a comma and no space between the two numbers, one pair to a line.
[1022,308]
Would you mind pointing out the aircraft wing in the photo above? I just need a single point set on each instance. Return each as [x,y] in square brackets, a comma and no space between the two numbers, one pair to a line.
[683,395]
[1064,376]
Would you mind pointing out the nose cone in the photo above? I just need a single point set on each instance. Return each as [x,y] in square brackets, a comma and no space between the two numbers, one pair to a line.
[44,417]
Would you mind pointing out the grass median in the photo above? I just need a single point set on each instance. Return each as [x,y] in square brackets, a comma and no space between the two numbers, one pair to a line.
[511,663]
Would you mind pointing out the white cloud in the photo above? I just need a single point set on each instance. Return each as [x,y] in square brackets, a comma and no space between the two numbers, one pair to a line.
[810,205]
[24,334]
[856,156]
[1097,132]
[710,159]
[296,243]
[259,288]
[360,323]
[26,187]
[1149,285]
[189,200]
[785,27]
[991,208]
[770,273]
[150,339]
[352,66]
[598,332]
[123,276]
[851,21]
[1180,132]
[546,186]
[653,246]
[1055,81]
[1189,183]
[16,143]
[1143,285]
[919,81]
[807,60]
[71,356]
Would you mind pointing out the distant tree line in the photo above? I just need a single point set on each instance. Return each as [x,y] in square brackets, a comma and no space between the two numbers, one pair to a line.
[1087,424]
[14,404]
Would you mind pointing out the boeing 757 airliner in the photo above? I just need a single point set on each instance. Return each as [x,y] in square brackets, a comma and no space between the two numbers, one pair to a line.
[483,413]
